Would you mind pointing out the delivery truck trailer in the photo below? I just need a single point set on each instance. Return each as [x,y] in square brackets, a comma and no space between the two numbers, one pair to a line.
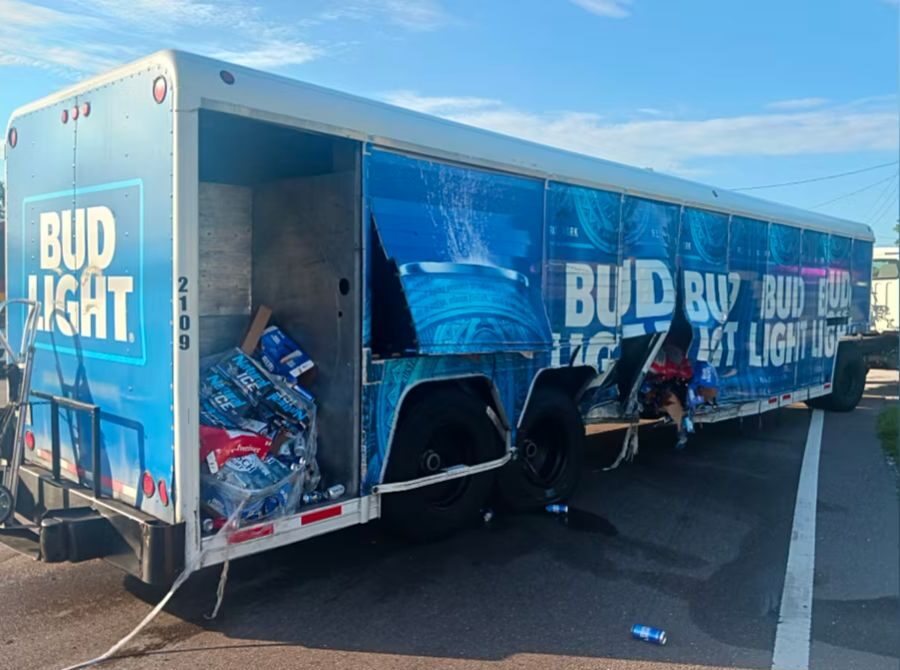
[184,235]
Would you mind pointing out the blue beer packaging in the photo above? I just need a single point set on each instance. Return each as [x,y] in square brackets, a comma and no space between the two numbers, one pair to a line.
[244,372]
[282,356]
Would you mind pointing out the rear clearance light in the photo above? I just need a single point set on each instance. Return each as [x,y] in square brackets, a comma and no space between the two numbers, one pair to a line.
[826,386]
[163,492]
[772,401]
[786,396]
[74,113]
[147,485]
[12,138]
[85,109]
[29,440]
[251,533]
[160,89]
[64,116]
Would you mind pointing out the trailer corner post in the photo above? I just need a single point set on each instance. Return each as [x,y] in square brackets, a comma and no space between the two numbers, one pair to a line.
[185,370]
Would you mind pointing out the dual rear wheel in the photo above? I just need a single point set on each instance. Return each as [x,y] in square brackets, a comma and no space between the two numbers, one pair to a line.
[451,427]
[848,384]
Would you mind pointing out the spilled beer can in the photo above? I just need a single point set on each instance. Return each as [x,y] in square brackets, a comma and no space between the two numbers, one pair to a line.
[648,634]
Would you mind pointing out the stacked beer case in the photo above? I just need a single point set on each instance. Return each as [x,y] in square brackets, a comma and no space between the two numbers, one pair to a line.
[258,430]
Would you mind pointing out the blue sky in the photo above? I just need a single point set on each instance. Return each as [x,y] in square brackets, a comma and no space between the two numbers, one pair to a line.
[730,93]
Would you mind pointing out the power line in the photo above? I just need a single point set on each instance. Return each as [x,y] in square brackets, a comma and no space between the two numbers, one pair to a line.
[847,195]
[885,207]
[887,192]
[809,181]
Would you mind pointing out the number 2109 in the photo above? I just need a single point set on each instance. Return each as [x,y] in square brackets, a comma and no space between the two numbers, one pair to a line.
[184,320]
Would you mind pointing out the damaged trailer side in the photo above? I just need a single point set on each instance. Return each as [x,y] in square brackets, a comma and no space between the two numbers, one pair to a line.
[461,304]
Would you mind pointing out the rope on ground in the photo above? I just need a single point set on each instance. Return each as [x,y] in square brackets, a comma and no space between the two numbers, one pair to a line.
[220,592]
[629,447]
[182,578]
[229,526]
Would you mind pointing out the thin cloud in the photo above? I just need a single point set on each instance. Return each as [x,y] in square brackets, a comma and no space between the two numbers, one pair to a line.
[438,105]
[23,14]
[91,37]
[56,50]
[237,31]
[797,104]
[271,55]
[614,9]
[671,145]
[414,15]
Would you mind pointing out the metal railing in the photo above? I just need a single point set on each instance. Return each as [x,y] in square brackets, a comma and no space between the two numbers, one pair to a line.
[56,459]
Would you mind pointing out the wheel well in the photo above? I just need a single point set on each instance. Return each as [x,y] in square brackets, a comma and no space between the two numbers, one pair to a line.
[570,380]
[476,385]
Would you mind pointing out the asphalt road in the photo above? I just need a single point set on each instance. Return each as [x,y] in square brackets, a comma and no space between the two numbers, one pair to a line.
[695,542]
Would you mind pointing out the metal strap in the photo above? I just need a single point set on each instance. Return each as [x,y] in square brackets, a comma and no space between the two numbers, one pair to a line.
[454,472]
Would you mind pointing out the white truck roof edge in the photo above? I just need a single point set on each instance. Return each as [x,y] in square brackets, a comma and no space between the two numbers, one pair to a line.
[405,129]
[166,57]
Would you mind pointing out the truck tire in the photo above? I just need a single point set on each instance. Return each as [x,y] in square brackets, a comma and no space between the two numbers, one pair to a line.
[848,385]
[441,429]
[550,453]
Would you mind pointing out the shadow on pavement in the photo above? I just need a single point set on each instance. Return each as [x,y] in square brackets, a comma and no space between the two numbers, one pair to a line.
[694,542]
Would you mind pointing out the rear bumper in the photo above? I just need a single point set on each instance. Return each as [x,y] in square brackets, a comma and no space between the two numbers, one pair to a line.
[71,525]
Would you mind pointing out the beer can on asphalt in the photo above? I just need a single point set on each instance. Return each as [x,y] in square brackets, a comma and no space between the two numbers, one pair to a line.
[648,634]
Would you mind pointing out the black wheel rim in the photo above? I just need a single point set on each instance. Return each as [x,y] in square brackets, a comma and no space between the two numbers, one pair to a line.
[543,451]
[449,444]
[5,504]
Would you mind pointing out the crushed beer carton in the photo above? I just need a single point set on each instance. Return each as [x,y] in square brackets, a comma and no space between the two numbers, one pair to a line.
[255,329]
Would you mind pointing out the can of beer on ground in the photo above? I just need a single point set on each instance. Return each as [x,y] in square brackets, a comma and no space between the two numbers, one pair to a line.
[648,634]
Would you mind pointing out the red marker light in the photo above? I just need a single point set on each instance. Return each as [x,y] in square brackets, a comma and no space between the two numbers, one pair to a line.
[13,137]
[147,485]
[75,113]
[163,492]
[29,440]
[86,109]
[64,116]
[160,88]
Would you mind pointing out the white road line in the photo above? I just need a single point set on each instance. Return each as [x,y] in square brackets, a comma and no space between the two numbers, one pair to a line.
[792,637]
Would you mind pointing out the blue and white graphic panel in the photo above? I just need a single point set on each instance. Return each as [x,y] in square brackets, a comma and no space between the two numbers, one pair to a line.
[467,245]
[813,368]
[96,249]
[649,246]
[85,266]
[582,285]
[710,290]
[861,278]
[742,375]
[783,302]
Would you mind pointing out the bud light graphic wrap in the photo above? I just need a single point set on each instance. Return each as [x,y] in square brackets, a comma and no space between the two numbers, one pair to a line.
[510,375]
[88,274]
[582,270]
[468,248]
[97,252]
[758,306]
[710,290]
[861,278]
[814,369]
[784,298]
[649,241]
[747,252]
